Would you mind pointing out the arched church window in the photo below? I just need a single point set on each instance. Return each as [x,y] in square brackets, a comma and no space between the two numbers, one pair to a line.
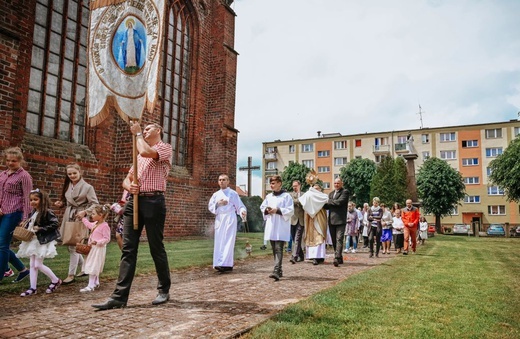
[57,84]
[176,79]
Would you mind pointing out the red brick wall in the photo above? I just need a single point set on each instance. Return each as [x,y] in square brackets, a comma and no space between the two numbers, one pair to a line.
[106,155]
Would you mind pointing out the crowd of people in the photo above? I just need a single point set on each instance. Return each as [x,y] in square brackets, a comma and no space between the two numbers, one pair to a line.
[22,205]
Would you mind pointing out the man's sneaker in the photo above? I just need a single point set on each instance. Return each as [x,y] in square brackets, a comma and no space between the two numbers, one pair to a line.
[9,273]
[21,276]
[353,251]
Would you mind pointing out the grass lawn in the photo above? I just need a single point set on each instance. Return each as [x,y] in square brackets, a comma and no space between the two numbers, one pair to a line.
[455,287]
[194,252]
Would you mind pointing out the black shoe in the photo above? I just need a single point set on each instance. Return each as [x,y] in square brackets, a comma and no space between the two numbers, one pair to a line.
[275,276]
[300,259]
[340,261]
[371,255]
[263,247]
[315,262]
[21,276]
[226,268]
[218,268]
[161,298]
[405,253]
[336,263]
[280,274]
[293,260]
[110,304]
[377,255]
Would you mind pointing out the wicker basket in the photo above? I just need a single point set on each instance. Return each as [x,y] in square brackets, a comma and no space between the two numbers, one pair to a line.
[83,247]
[21,233]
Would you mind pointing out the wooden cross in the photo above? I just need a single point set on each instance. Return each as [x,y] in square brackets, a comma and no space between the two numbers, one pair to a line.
[249,168]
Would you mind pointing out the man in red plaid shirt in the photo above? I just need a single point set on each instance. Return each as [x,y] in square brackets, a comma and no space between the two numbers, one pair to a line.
[153,166]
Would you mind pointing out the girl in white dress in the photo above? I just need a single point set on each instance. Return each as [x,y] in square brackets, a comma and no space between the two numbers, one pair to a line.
[99,238]
[44,224]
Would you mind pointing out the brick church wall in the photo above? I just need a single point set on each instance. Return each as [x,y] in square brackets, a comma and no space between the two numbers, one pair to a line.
[107,153]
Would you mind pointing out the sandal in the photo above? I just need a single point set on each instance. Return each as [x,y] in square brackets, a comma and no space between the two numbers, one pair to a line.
[87,289]
[53,287]
[29,292]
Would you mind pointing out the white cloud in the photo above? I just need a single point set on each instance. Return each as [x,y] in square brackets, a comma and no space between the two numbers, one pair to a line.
[336,65]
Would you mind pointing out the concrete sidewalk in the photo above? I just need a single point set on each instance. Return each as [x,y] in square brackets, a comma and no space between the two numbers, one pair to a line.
[203,303]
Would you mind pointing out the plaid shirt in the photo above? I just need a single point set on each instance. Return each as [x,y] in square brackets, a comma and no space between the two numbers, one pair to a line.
[14,192]
[152,173]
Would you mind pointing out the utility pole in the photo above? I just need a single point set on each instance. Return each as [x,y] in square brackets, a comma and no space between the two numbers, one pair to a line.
[249,168]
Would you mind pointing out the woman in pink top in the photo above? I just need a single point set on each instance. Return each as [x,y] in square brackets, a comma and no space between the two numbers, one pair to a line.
[99,238]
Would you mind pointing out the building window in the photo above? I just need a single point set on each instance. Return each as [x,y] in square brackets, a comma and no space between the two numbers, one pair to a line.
[271,165]
[292,149]
[471,180]
[358,157]
[497,210]
[472,199]
[308,163]
[323,169]
[175,80]
[340,144]
[469,143]
[270,149]
[470,162]
[448,155]
[307,147]
[494,133]
[493,152]
[425,138]
[444,137]
[340,161]
[379,158]
[401,139]
[489,171]
[425,155]
[358,142]
[57,82]
[517,131]
[495,190]
[323,154]
[336,176]
[326,185]
[455,210]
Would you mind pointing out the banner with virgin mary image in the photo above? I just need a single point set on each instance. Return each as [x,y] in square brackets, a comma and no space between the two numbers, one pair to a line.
[125,40]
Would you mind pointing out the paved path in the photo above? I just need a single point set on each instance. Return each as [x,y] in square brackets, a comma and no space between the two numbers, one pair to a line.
[204,304]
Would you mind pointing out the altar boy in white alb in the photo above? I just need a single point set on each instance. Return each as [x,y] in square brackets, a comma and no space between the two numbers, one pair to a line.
[225,204]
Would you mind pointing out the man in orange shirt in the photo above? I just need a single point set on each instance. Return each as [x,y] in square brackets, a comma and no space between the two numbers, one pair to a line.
[410,217]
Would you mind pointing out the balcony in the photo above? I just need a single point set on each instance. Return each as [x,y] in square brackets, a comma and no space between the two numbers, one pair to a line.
[271,156]
[381,149]
[271,171]
[401,148]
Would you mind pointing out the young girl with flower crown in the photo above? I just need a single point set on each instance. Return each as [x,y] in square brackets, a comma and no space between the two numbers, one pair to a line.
[99,238]
[44,224]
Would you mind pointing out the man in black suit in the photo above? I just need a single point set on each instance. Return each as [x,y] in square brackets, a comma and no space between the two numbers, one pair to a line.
[337,206]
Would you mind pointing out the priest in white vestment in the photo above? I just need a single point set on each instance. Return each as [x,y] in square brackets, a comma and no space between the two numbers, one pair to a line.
[225,204]
[315,224]
[277,209]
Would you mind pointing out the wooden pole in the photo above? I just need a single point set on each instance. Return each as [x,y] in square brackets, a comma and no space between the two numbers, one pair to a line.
[136,181]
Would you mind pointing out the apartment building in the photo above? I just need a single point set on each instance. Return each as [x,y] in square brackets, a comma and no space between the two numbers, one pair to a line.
[469,149]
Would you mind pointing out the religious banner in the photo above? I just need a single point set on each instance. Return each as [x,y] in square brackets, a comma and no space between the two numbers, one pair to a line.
[125,40]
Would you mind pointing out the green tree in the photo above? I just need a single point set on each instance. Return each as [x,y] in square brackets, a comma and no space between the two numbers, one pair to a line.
[294,171]
[382,182]
[440,187]
[357,176]
[389,182]
[505,171]
[399,178]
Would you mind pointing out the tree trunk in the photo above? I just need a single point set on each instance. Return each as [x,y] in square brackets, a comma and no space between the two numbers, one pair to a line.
[438,224]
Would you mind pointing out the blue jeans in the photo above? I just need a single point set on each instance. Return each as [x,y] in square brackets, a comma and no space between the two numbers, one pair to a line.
[352,238]
[7,224]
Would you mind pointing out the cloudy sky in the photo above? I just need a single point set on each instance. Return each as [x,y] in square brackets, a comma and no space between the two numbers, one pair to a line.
[355,66]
